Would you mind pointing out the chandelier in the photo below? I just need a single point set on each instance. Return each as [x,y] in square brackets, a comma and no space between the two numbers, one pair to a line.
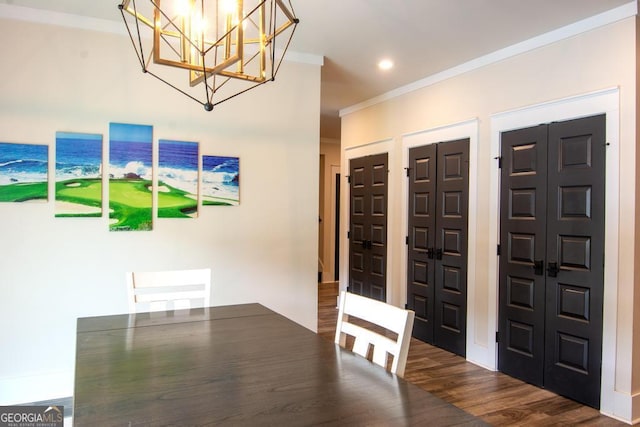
[218,49]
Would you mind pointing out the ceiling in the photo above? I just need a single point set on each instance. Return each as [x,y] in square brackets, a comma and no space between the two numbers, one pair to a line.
[422,37]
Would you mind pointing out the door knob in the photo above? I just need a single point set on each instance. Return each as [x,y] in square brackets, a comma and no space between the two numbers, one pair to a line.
[538,267]
[552,270]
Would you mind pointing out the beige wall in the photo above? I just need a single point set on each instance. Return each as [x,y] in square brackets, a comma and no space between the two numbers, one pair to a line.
[600,59]
[53,270]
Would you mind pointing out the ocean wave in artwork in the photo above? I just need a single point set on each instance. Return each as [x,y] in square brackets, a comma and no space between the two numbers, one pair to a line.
[184,179]
[23,164]
[229,178]
[11,162]
[132,169]
[220,169]
[70,171]
[23,170]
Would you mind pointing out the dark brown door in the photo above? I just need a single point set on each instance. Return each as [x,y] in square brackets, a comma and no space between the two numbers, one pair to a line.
[437,255]
[336,235]
[421,240]
[368,226]
[575,243]
[523,249]
[552,254]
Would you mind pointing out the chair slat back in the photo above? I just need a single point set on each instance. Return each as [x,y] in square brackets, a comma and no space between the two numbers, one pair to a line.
[397,320]
[167,290]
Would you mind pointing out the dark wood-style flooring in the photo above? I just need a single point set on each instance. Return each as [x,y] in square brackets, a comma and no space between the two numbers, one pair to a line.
[492,396]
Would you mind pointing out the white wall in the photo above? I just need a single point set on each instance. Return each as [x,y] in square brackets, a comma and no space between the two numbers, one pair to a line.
[54,270]
[602,58]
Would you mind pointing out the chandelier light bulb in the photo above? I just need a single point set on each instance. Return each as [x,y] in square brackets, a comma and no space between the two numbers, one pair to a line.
[229,7]
[183,7]
[199,24]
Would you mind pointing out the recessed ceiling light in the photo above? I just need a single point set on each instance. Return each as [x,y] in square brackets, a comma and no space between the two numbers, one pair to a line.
[385,64]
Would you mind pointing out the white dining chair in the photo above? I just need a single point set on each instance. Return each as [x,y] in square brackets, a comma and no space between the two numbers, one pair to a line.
[151,291]
[394,319]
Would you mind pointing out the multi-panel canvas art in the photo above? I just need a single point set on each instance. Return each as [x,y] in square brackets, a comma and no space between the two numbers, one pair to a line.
[220,180]
[130,177]
[79,172]
[78,175]
[177,179]
[23,172]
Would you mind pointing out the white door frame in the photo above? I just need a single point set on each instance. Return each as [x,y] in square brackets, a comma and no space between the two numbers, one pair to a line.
[607,102]
[378,147]
[455,131]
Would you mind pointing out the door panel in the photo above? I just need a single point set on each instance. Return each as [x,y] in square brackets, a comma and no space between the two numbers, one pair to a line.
[551,265]
[422,222]
[575,230]
[451,246]
[358,261]
[523,245]
[437,240]
[368,226]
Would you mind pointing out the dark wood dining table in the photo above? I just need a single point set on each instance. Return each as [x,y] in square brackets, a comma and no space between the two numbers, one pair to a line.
[235,365]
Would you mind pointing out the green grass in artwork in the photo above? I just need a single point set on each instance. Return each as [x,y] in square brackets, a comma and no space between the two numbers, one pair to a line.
[79,215]
[218,202]
[175,203]
[130,204]
[132,192]
[85,191]
[22,192]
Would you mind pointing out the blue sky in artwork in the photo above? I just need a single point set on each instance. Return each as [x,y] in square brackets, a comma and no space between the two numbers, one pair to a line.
[130,133]
[79,136]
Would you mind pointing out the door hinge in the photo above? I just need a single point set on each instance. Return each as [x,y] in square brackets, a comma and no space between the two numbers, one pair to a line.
[349,179]
[498,250]
[408,172]
[406,306]
[499,159]
[497,336]
[406,240]
[348,234]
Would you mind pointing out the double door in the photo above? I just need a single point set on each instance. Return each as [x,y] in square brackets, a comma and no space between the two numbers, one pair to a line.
[437,243]
[551,279]
[368,226]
